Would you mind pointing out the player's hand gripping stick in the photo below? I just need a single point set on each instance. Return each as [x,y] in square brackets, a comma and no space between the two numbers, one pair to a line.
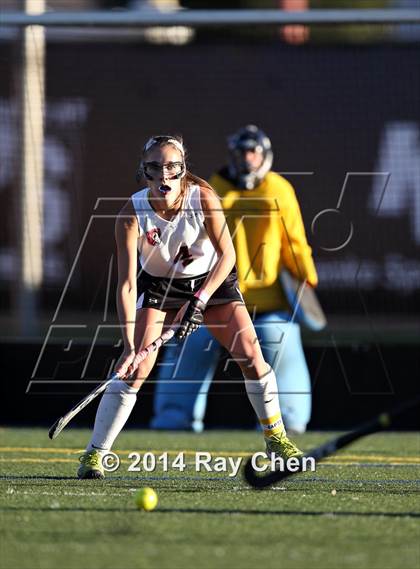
[193,316]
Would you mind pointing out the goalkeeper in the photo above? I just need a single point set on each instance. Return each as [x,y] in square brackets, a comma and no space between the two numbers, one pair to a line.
[268,233]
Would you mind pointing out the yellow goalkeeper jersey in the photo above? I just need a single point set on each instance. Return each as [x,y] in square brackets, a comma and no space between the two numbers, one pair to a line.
[268,234]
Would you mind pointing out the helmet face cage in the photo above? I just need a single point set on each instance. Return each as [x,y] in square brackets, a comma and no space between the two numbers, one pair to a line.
[249,138]
[149,170]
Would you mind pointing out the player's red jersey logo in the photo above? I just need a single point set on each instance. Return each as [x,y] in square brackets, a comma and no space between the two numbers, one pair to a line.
[153,236]
[184,256]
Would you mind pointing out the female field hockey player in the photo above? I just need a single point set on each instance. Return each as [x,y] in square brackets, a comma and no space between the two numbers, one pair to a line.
[176,228]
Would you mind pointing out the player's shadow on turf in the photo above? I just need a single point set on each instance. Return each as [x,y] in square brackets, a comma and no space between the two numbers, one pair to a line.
[35,477]
[224,511]
[285,513]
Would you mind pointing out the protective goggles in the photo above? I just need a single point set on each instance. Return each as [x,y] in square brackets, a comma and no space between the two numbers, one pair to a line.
[172,170]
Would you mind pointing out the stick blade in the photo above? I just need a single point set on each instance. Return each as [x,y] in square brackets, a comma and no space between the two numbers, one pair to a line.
[261,481]
[56,429]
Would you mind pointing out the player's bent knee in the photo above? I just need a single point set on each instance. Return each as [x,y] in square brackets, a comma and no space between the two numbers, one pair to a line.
[252,364]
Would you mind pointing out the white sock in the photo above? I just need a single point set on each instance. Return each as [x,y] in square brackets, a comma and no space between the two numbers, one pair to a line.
[264,397]
[113,411]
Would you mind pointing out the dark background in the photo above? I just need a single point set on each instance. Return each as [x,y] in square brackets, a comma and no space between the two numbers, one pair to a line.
[350,384]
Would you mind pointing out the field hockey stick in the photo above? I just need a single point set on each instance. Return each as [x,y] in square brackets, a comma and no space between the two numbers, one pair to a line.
[59,425]
[382,421]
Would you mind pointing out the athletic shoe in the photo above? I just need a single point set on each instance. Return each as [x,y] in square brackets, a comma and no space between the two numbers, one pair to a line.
[282,447]
[91,465]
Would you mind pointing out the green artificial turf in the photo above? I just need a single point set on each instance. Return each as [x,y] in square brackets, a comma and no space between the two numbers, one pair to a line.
[360,509]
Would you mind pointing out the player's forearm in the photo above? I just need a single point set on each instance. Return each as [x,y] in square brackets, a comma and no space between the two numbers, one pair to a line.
[126,307]
[222,268]
[219,235]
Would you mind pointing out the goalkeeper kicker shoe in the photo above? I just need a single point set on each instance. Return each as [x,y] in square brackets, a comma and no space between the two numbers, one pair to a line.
[91,465]
[282,447]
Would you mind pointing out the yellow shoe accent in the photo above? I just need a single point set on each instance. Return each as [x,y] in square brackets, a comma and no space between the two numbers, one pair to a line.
[91,465]
[281,446]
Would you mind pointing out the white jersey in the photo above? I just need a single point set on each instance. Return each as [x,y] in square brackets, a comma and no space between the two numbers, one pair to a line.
[179,248]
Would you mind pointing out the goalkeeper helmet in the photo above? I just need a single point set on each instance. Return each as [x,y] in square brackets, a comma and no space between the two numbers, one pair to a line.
[248,174]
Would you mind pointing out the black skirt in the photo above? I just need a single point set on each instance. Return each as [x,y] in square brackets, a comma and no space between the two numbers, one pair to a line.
[166,294]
